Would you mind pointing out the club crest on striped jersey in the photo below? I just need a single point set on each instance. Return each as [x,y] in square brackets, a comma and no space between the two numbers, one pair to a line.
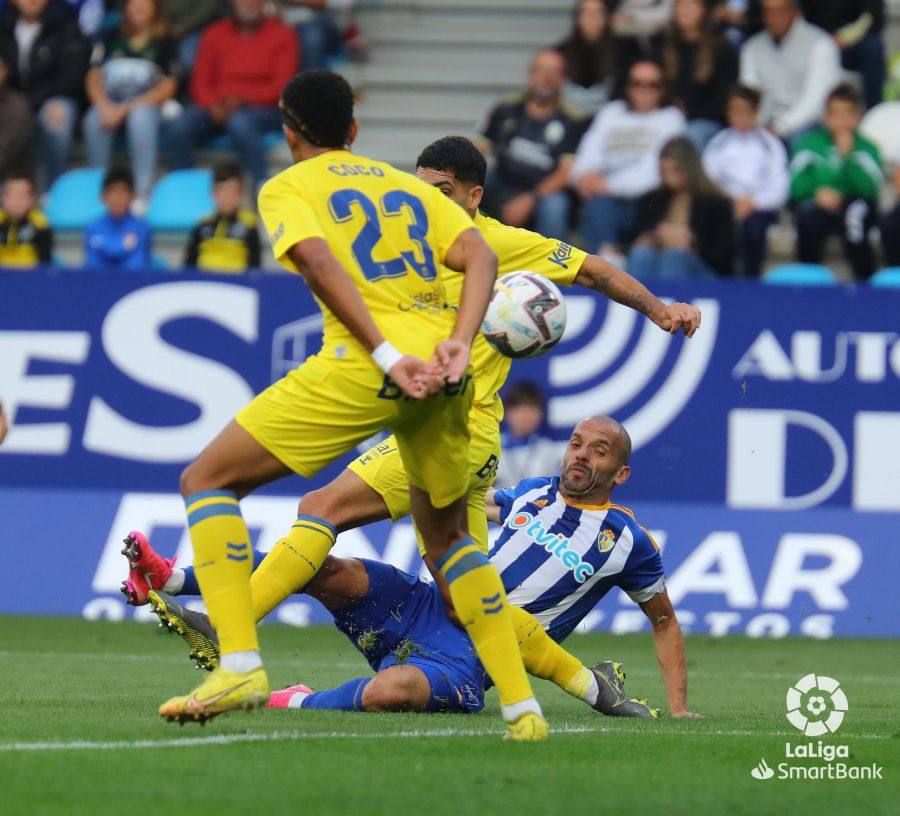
[606,540]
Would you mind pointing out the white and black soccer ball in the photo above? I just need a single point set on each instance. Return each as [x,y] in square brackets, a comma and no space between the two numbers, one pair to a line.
[526,315]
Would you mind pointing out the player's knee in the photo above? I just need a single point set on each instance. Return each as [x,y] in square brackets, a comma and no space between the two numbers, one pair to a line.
[394,691]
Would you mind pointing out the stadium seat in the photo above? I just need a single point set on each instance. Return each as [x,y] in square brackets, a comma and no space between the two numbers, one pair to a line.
[180,199]
[801,275]
[74,199]
[889,277]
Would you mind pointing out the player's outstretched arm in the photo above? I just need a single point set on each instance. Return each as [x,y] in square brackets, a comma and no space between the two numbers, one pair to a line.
[669,643]
[470,255]
[618,285]
[335,288]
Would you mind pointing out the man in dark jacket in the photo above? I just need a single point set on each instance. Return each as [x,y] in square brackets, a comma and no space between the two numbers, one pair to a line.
[18,124]
[47,58]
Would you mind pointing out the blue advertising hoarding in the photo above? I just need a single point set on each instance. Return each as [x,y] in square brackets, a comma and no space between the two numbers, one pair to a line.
[767,448]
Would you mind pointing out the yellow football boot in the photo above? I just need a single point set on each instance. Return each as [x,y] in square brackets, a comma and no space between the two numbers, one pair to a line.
[529,727]
[221,692]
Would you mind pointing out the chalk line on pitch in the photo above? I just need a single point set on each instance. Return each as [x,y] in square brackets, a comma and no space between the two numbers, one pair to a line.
[299,736]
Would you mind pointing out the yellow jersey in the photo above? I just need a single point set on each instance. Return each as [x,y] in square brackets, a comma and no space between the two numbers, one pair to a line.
[390,231]
[517,250]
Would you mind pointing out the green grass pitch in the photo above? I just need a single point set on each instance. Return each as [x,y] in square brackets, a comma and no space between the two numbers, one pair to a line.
[79,734]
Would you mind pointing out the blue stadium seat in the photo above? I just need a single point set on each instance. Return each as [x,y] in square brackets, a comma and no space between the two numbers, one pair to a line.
[889,277]
[74,199]
[801,275]
[180,199]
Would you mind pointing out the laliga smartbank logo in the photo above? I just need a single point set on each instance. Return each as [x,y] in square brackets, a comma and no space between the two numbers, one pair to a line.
[816,705]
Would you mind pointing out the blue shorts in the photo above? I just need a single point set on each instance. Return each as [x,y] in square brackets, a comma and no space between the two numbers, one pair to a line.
[402,621]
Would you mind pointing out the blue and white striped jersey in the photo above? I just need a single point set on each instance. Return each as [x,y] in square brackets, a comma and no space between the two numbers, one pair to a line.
[557,559]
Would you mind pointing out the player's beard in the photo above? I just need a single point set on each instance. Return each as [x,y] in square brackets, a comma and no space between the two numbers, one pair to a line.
[596,482]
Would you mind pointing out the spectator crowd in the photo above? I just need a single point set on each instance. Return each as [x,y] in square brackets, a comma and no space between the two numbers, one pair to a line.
[669,136]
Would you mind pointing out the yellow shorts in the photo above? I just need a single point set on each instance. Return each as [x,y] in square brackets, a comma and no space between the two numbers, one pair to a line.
[381,467]
[324,408]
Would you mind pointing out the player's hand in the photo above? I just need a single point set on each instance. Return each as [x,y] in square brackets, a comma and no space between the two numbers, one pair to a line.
[684,714]
[677,318]
[452,359]
[406,375]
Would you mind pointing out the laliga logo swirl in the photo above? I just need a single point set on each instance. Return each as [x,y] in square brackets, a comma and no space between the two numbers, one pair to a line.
[636,371]
[816,705]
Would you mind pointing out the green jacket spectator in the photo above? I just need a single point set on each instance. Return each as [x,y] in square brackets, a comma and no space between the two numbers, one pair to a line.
[817,163]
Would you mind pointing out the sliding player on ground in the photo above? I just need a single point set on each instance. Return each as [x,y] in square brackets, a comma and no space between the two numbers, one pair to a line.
[562,547]
[370,241]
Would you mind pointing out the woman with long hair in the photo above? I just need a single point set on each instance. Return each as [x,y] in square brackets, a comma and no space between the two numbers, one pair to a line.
[133,72]
[685,228]
[700,68]
[594,61]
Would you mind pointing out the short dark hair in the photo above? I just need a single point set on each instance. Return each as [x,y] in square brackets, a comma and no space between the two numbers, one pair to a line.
[118,175]
[457,155]
[20,175]
[748,94]
[845,92]
[524,392]
[318,106]
[227,171]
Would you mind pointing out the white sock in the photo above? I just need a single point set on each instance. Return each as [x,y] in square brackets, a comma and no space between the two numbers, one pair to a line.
[241,662]
[297,699]
[511,713]
[175,583]
[592,692]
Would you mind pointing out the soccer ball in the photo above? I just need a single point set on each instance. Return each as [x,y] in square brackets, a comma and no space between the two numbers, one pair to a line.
[526,315]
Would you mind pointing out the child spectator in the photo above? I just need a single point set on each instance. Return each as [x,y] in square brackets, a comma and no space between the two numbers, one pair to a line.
[595,60]
[526,449]
[618,158]
[836,176]
[533,137]
[750,164]
[119,239]
[25,236]
[699,68]
[242,65]
[134,71]
[227,240]
[685,228]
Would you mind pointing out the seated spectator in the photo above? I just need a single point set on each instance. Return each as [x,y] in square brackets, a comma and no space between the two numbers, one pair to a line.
[856,27]
[618,158]
[186,20]
[890,224]
[316,24]
[18,124]
[242,65]
[133,72]
[25,236]
[119,239]
[750,164]
[699,68]
[685,229]
[532,138]
[594,59]
[227,240]
[526,449]
[836,176]
[794,65]
[47,58]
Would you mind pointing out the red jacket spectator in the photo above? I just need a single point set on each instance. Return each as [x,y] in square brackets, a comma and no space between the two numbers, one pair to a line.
[251,65]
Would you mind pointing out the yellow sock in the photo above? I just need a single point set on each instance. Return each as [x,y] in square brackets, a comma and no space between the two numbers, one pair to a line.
[481,604]
[223,562]
[545,658]
[291,563]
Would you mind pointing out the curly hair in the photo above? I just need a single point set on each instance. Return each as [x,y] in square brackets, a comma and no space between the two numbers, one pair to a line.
[318,106]
[457,155]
